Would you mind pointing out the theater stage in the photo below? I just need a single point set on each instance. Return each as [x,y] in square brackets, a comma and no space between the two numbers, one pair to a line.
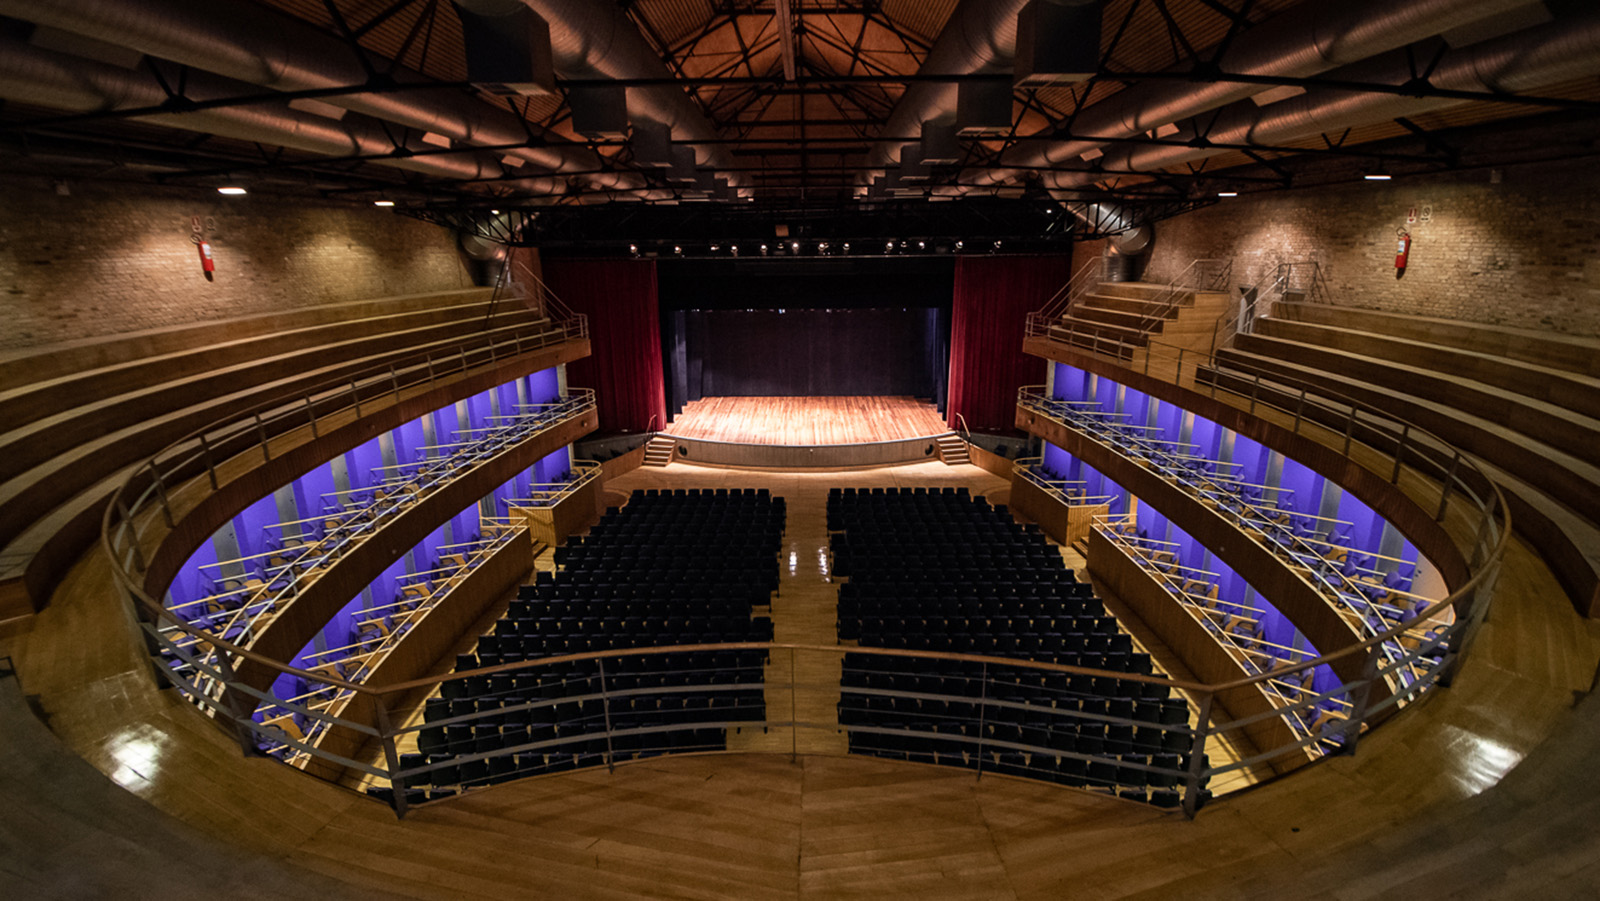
[807,431]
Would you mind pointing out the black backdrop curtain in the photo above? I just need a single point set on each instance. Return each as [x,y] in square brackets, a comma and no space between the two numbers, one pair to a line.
[624,367]
[806,353]
[993,297]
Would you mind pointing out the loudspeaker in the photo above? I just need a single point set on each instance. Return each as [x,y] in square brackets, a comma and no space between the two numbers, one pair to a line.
[939,144]
[983,108]
[508,47]
[1058,42]
[599,112]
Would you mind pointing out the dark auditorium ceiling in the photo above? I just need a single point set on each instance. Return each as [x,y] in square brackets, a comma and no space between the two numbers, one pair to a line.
[843,113]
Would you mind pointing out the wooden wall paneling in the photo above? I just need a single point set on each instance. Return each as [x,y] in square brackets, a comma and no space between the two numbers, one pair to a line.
[419,652]
[301,617]
[574,513]
[251,478]
[1209,661]
[1281,585]
[1373,489]
[1033,502]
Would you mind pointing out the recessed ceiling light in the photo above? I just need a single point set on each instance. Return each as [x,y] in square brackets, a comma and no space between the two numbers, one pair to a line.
[232,191]
[383,203]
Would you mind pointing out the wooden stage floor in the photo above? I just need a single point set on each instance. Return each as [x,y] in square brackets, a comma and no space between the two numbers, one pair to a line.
[807,420]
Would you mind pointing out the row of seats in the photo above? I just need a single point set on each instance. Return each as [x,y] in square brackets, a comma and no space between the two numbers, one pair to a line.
[486,728]
[1023,721]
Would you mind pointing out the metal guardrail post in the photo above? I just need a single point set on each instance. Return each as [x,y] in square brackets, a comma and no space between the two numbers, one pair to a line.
[1358,704]
[230,703]
[161,493]
[1449,484]
[605,709]
[205,457]
[355,396]
[983,710]
[1350,429]
[311,416]
[1197,758]
[133,544]
[1400,452]
[391,755]
[261,430]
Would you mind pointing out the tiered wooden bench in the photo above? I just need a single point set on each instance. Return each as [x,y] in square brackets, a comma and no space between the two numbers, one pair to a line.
[79,416]
[1527,403]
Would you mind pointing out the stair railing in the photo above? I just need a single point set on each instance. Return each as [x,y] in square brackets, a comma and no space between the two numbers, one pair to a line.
[1199,275]
[1063,300]
[1299,277]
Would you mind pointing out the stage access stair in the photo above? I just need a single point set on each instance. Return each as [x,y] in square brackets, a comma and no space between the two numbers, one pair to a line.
[659,451]
[953,449]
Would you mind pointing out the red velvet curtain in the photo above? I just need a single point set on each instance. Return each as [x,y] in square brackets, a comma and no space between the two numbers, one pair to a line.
[992,299]
[619,297]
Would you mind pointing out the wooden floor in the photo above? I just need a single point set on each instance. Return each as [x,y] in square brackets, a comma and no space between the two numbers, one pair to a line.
[807,420]
[1422,811]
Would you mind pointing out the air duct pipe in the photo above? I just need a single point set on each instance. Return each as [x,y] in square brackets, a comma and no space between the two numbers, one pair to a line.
[981,36]
[1309,39]
[60,81]
[596,40]
[263,47]
[1564,50]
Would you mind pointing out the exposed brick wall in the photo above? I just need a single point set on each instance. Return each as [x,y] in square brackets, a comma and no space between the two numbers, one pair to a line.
[1523,253]
[114,258]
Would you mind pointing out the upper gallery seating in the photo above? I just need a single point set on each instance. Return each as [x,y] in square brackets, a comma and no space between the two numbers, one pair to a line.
[934,570]
[79,416]
[669,568]
[1527,403]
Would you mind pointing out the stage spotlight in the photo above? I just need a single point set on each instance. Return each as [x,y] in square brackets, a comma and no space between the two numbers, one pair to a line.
[763,250]
[494,212]
[888,247]
[997,245]
[677,250]
[847,247]
[735,249]
[959,245]
[715,248]
[823,247]
[795,246]
[633,249]
[922,245]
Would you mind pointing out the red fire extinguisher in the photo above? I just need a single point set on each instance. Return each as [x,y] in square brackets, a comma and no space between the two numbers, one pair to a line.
[207,264]
[1403,251]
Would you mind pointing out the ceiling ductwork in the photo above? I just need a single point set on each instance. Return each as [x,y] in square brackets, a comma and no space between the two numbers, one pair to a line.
[251,44]
[980,37]
[596,40]
[59,81]
[1308,40]
[1563,50]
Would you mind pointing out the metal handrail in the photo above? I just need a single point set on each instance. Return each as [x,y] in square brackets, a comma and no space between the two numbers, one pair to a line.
[1469,601]
[1193,278]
